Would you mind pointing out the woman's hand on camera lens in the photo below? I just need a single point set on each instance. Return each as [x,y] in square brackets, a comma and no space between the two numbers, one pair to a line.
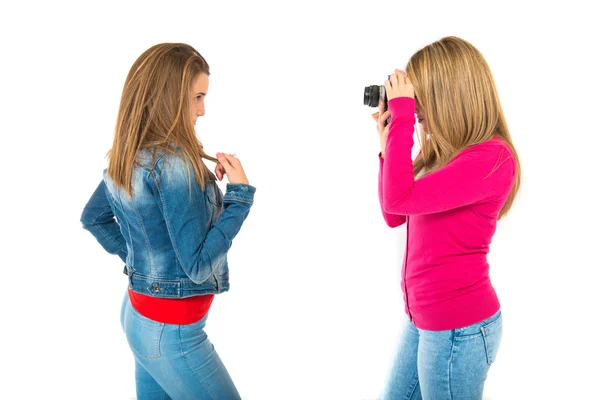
[399,86]
[233,168]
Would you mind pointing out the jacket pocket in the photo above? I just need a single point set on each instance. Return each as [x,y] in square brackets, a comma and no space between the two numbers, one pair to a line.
[215,201]
[492,335]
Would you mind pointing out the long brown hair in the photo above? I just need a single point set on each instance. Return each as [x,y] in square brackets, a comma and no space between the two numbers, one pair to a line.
[154,112]
[455,90]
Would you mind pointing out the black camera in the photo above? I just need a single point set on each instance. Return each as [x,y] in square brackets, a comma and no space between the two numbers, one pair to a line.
[374,94]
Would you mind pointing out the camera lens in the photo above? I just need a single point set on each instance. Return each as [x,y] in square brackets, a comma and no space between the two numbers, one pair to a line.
[371,97]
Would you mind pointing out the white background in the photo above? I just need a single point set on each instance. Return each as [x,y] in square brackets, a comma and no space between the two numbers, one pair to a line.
[315,308]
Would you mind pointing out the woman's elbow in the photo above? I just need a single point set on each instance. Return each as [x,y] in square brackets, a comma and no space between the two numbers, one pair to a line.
[86,219]
[394,221]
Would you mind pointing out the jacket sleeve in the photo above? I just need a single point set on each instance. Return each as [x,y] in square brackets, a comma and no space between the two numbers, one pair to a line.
[480,173]
[183,204]
[392,220]
[98,218]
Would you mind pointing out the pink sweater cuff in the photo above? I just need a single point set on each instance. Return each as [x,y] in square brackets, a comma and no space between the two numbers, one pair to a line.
[402,108]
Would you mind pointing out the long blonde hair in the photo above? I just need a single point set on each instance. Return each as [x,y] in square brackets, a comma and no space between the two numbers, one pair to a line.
[155,112]
[455,90]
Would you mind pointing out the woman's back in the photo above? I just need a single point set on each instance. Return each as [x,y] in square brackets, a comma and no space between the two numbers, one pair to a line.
[166,220]
[446,281]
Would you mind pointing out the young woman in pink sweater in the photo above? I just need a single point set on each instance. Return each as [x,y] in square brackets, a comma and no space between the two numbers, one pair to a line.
[463,180]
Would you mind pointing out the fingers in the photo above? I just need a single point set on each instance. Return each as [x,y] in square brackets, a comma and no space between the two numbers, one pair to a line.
[227,157]
[385,116]
[398,77]
[394,80]
[219,171]
[399,85]
[388,85]
[375,116]
[224,162]
[232,160]
[382,122]
[229,162]
[402,76]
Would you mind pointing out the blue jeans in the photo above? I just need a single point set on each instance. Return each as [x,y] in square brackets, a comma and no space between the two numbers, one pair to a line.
[444,365]
[174,361]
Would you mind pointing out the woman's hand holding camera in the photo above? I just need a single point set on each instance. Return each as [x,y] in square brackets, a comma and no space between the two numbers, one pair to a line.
[383,129]
[399,86]
[232,167]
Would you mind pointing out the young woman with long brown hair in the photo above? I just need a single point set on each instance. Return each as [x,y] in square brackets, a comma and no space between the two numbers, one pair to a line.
[173,226]
[464,179]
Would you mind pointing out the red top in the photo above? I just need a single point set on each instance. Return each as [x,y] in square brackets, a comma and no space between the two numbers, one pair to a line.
[451,217]
[171,311]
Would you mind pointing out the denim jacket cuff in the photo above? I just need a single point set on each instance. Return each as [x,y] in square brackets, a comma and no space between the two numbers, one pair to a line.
[240,192]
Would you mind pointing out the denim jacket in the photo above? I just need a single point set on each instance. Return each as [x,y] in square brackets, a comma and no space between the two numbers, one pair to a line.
[173,236]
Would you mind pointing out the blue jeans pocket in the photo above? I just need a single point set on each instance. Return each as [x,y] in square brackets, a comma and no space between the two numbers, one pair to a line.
[492,335]
[143,334]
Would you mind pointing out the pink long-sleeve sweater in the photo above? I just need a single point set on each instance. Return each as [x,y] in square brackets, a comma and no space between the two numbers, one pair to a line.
[451,217]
